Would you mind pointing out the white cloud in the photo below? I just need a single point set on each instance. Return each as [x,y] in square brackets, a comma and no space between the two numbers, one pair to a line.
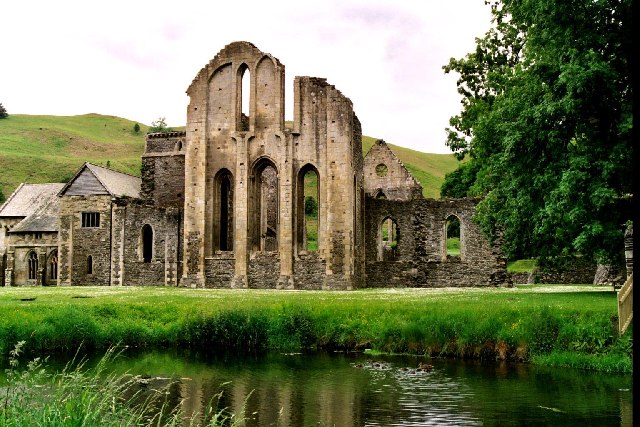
[136,59]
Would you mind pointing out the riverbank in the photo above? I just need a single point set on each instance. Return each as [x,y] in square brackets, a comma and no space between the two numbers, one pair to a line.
[574,326]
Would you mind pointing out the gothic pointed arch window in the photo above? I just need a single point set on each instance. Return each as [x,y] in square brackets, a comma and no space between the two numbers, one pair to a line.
[243,98]
[223,211]
[32,261]
[308,209]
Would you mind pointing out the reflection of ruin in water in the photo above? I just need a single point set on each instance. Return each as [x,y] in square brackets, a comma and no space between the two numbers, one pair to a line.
[333,389]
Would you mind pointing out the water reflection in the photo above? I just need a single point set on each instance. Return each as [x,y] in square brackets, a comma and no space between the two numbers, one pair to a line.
[346,390]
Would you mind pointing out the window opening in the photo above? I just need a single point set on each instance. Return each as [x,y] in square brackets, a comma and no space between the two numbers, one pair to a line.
[389,236]
[33,266]
[310,232]
[89,264]
[147,243]
[452,236]
[223,214]
[382,170]
[90,219]
[245,98]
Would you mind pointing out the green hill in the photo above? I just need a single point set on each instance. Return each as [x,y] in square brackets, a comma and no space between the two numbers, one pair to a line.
[39,149]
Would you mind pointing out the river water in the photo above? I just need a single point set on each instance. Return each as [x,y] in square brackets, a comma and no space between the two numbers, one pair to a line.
[357,389]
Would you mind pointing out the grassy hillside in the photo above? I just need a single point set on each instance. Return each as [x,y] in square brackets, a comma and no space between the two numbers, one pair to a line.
[40,149]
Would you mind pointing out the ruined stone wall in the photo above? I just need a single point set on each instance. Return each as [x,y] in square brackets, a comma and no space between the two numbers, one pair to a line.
[420,256]
[223,145]
[128,265]
[386,177]
[77,243]
[162,170]
[329,136]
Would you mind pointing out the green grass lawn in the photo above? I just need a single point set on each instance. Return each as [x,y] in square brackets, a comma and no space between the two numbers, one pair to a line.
[521,266]
[529,322]
[453,246]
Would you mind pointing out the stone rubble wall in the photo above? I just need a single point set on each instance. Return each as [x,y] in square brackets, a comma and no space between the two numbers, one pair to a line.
[163,269]
[77,243]
[162,170]
[385,174]
[420,255]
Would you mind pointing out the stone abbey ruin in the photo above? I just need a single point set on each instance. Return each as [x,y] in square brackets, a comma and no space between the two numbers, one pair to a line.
[222,204]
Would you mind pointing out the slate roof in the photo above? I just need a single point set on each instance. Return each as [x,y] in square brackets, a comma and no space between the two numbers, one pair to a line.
[37,204]
[118,184]
[28,198]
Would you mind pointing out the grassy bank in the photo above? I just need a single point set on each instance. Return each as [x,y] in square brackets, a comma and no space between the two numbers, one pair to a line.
[565,325]
[77,396]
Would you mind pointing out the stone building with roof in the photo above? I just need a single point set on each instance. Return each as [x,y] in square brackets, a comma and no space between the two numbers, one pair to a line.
[29,235]
[223,204]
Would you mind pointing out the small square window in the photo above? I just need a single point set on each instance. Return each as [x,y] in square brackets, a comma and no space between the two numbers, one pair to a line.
[90,219]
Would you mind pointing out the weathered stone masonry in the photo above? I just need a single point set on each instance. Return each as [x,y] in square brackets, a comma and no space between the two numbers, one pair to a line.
[222,203]
[420,256]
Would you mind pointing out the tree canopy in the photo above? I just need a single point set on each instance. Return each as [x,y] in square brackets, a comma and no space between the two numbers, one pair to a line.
[3,112]
[547,123]
[159,125]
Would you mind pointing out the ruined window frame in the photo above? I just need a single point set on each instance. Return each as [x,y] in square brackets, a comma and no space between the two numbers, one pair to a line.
[89,264]
[445,249]
[301,223]
[394,241]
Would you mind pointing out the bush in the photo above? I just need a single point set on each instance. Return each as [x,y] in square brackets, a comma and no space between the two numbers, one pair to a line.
[310,206]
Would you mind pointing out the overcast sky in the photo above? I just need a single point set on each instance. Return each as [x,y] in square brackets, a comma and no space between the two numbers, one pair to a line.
[135,59]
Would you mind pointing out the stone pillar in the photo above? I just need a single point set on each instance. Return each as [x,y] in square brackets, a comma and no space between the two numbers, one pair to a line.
[118,221]
[286,227]
[8,272]
[241,214]
[42,263]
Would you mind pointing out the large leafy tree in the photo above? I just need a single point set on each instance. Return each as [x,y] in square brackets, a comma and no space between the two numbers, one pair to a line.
[547,123]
